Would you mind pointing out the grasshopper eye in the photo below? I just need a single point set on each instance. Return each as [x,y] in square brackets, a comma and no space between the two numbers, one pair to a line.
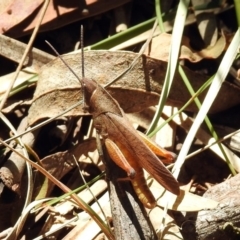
[85,108]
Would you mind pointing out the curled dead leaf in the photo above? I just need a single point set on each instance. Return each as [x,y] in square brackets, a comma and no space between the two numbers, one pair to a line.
[186,201]
[20,17]
[58,89]
[16,12]
[161,44]
[60,163]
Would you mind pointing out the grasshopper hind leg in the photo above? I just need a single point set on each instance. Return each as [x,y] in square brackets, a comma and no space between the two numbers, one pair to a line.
[134,172]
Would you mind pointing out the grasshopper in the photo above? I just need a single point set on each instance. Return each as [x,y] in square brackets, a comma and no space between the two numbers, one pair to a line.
[130,150]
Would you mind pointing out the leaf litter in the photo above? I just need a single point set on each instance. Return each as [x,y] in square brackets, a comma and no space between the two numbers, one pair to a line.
[124,84]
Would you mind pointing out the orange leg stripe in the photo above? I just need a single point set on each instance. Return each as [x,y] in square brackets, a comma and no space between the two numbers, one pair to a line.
[161,152]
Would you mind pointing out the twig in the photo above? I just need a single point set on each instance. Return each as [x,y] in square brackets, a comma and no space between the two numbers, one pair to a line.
[43,11]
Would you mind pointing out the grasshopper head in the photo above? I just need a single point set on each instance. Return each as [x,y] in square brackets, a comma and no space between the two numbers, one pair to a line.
[89,86]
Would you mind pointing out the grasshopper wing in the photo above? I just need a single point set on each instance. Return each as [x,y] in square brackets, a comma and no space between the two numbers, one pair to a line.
[125,136]
[110,121]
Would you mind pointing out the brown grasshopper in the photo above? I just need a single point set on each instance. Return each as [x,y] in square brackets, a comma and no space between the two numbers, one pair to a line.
[130,150]
[126,147]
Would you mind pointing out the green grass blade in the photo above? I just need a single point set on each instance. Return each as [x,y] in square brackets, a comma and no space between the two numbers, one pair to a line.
[211,95]
[173,59]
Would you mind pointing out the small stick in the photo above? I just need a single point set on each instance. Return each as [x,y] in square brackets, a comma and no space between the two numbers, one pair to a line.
[42,14]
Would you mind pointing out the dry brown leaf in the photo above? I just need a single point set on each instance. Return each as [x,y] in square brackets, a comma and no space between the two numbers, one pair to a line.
[97,188]
[16,12]
[34,60]
[161,44]
[206,21]
[4,5]
[168,229]
[61,163]
[89,229]
[58,89]
[20,17]
[186,201]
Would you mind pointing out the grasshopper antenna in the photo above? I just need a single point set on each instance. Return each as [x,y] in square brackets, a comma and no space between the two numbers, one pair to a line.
[64,62]
[83,73]
[82,51]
